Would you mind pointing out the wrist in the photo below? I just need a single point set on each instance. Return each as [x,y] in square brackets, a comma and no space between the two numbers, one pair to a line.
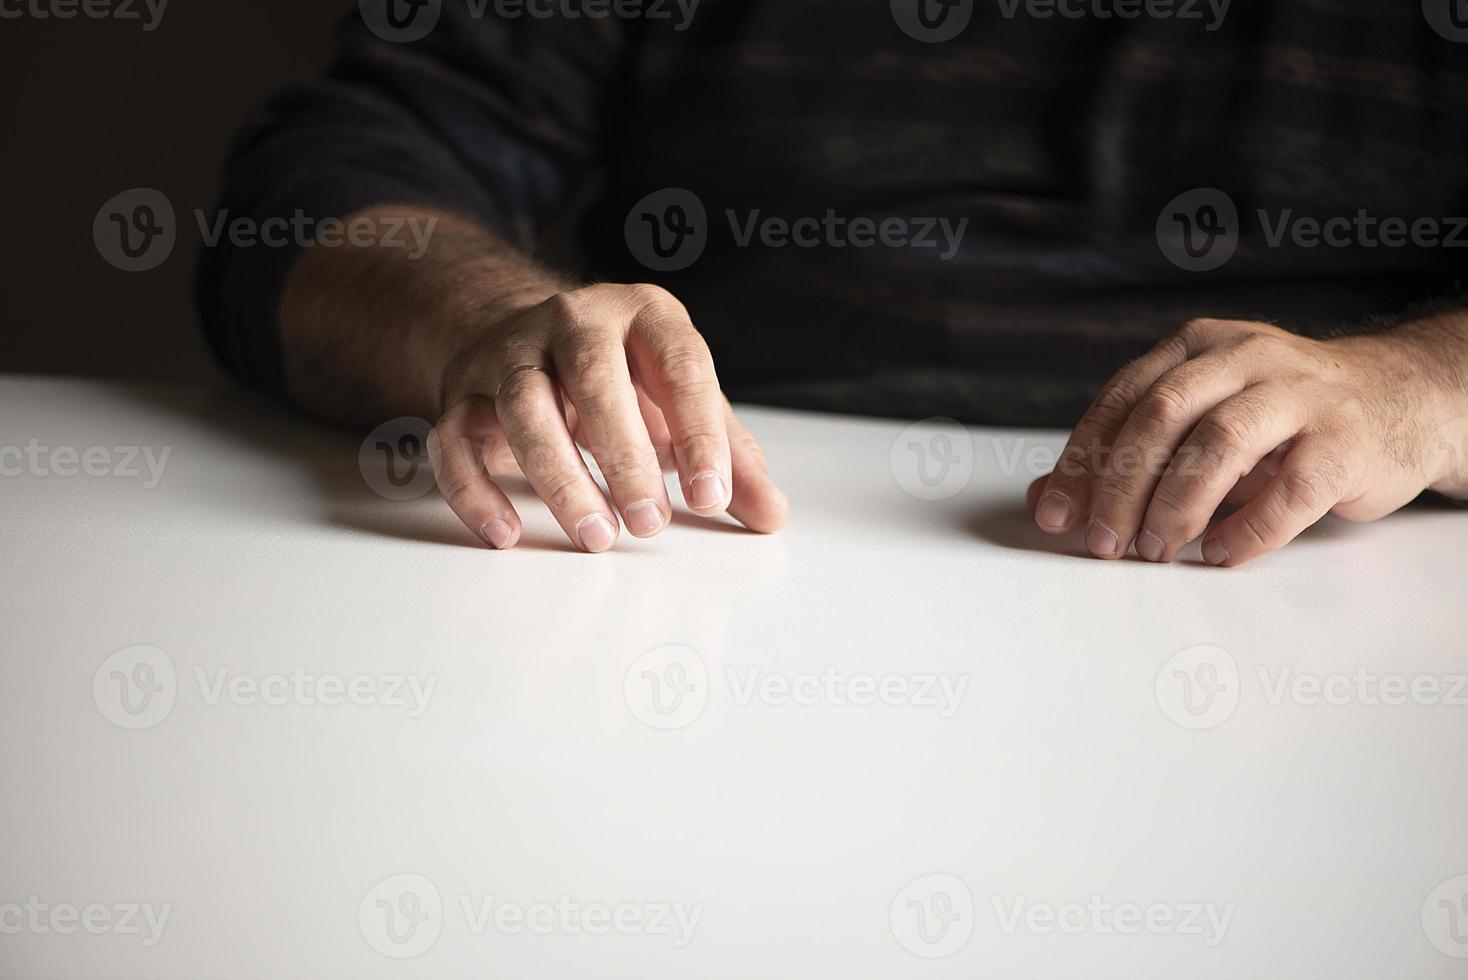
[1422,368]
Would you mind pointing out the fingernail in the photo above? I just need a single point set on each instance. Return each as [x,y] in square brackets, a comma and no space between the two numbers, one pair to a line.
[644,518]
[707,492]
[1053,510]
[1150,546]
[1101,540]
[1214,552]
[498,534]
[596,533]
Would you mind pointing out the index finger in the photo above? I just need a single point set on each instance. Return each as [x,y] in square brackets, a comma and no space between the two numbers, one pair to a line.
[673,364]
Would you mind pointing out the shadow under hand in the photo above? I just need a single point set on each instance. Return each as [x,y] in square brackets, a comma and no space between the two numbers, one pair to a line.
[1009,525]
[329,458]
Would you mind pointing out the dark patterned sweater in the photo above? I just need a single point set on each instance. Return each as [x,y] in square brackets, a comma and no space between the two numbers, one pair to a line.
[863,218]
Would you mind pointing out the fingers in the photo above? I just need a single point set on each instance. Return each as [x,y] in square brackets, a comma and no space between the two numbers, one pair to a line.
[1067,496]
[1143,450]
[591,364]
[1033,491]
[455,447]
[1315,475]
[673,364]
[757,503]
[1226,446]
[529,408]
[657,431]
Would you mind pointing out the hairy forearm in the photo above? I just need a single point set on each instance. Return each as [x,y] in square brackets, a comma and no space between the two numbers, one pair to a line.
[1431,384]
[366,330]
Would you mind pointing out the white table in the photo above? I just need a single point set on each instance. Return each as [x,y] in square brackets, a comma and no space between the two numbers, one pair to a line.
[206,718]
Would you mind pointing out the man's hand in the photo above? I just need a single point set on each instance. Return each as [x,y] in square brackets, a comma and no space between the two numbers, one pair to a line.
[1248,415]
[622,371]
[520,365]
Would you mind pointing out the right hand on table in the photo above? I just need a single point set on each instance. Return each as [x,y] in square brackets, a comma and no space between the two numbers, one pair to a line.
[621,371]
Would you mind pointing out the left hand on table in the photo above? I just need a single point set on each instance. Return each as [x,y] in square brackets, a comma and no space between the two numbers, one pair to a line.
[1245,414]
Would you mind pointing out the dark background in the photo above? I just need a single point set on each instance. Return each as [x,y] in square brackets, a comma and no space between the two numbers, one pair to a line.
[92,108]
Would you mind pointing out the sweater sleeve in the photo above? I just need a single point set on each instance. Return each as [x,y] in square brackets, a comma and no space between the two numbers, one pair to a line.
[497,120]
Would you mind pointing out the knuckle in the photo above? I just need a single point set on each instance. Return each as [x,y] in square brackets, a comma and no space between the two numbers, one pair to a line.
[457,492]
[1196,330]
[1222,436]
[1169,506]
[1114,403]
[566,308]
[1174,346]
[594,370]
[746,444]
[1258,344]
[1306,492]
[561,490]
[1113,497]
[622,466]
[1073,465]
[1165,405]
[654,300]
[447,447]
[699,438]
[686,368]
[513,402]
[1258,530]
[1301,492]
